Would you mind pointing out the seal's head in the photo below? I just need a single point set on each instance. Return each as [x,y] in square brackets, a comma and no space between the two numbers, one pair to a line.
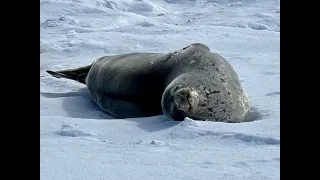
[181,101]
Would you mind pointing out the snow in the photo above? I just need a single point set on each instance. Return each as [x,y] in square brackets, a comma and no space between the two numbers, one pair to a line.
[79,141]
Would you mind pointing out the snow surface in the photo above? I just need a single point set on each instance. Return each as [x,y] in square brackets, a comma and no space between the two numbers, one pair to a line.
[78,141]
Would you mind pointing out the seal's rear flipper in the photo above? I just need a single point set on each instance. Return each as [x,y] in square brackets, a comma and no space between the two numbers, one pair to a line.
[55,74]
[82,78]
[79,74]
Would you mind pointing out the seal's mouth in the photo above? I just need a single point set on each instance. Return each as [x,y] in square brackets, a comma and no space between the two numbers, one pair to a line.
[189,101]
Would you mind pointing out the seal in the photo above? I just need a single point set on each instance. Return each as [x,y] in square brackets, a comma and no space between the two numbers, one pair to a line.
[190,82]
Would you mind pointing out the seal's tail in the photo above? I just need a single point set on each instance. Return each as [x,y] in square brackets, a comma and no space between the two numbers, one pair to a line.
[78,74]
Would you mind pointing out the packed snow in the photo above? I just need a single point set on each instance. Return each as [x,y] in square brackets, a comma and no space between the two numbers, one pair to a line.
[80,142]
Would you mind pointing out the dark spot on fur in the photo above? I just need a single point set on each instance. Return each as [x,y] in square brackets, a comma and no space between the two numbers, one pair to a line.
[229,92]
[202,69]
[212,114]
[223,80]
[222,102]
[210,109]
[212,64]
[206,91]
[219,120]
[202,105]
[215,91]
